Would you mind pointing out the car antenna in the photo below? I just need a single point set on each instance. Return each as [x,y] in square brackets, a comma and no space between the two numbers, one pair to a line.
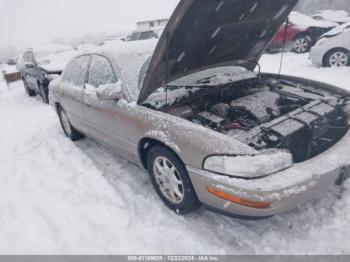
[167,67]
[283,46]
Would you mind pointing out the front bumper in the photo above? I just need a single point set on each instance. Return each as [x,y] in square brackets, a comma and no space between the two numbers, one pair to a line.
[285,190]
[317,55]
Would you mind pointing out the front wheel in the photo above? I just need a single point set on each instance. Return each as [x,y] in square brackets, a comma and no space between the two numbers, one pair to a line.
[171,181]
[337,58]
[302,44]
[68,129]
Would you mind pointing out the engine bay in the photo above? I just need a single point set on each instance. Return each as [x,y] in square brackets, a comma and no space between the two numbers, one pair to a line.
[267,113]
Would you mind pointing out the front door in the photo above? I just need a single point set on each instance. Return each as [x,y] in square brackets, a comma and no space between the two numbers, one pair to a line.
[104,117]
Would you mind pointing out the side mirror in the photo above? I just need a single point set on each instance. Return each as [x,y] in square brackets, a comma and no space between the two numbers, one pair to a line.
[110,92]
[29,65]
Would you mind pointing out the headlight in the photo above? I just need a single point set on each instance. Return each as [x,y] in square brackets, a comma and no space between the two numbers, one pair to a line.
[266,163]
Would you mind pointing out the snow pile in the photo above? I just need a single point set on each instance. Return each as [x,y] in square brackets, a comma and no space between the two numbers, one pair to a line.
[300,65]
[337,30]
[9,69]
[300,19]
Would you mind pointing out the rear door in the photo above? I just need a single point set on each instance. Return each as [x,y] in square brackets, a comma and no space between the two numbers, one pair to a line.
[72,91]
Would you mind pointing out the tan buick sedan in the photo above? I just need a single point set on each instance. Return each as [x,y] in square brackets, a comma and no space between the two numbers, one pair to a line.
[208,128]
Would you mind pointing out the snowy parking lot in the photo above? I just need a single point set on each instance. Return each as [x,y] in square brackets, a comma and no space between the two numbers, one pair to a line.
[60,197]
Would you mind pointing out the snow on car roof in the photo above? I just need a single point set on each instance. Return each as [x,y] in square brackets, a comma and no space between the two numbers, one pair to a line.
[304,20]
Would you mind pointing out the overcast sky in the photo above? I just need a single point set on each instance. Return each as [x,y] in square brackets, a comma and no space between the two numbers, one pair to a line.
[29,22]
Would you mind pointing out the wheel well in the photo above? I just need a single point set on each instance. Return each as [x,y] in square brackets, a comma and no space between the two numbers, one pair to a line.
[333,50]
[146,144]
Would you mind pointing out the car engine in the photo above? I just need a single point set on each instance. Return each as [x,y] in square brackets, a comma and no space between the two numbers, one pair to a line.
[272,114]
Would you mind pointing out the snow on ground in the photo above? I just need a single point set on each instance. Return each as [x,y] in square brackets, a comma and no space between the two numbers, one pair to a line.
[60,197]
[300,65]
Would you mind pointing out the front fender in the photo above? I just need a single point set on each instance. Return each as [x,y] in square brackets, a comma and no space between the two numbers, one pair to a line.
[193,143]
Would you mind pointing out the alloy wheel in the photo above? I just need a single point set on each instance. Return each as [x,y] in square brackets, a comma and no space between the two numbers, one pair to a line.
[168,180]
[301,45]
[338,59]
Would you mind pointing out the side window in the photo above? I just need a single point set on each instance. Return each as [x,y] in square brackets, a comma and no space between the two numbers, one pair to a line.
[101,72]
[75,72]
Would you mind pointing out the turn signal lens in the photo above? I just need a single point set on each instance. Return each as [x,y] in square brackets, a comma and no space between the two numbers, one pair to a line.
[238,200]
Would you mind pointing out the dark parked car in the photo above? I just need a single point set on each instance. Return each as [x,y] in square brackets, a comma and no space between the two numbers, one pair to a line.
[40,65]
[143,35]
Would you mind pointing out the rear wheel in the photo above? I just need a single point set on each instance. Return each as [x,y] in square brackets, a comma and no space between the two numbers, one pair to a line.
[68,129]
[302,44]
[29,91]
[171,181]
[337,58]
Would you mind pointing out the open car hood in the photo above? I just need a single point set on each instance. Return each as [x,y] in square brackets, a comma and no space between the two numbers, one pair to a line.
[202,34]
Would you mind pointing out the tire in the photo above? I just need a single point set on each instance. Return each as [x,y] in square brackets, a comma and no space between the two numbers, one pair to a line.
[29,91]
[302,44]
[337,57]
[44,93]
[182,200]
[68,129]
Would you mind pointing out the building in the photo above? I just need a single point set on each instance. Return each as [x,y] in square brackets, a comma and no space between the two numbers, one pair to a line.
[151,24]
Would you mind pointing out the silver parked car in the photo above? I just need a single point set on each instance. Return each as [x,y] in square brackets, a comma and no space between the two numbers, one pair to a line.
[333,49]
[191,110]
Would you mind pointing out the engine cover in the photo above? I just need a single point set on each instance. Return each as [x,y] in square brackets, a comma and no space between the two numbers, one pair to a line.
[262,106]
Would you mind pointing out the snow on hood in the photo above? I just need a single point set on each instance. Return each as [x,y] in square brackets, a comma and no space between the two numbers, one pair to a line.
[54,58]
[339,16]
[300,19]
[202,34]
[337,30]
